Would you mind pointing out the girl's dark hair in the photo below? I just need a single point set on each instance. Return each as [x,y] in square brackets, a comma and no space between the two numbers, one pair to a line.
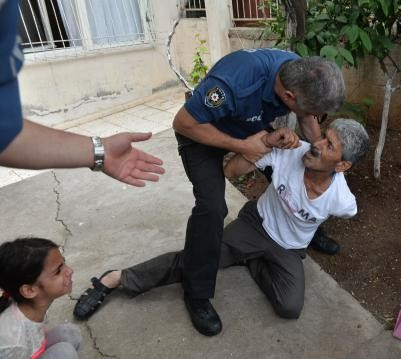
[21,262]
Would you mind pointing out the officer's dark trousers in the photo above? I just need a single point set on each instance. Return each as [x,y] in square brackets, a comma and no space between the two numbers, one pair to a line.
[204,168]
[277,271]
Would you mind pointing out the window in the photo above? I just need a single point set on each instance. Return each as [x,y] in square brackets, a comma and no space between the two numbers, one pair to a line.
[195,9]
[83,25]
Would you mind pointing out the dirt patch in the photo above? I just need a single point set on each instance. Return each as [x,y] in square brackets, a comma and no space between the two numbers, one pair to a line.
[369,263]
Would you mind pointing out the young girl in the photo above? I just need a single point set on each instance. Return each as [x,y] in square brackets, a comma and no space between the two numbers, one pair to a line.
[32,274]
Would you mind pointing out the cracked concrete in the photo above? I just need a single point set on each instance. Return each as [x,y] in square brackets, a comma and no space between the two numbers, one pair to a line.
[57,218]
[94,344]
[112,226]
[64,251]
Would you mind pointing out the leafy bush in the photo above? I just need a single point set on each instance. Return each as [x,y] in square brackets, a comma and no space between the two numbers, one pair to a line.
[356,110]
[345,31]
[199,69]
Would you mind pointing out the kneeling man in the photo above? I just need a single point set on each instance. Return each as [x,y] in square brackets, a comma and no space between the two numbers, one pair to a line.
[270,235]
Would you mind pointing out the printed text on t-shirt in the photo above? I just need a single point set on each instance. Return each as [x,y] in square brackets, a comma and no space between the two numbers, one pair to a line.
[286,196]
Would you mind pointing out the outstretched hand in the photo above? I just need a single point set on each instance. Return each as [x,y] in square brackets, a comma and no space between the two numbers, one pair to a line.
[283,138]
[128,164]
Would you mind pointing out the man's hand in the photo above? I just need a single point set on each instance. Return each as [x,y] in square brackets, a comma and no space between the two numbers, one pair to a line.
[255,147]
[283,138]
[128,164]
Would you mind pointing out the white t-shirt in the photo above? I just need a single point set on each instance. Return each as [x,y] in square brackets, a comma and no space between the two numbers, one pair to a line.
[289,216]
[20,337]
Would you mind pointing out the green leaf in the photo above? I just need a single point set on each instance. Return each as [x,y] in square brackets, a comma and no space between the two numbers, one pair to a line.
[329,51]
[342,19]
[354,14]
[387,44]
[320,39]
[347,55]
[321,17]
[384,5]
[318,26]
[339,60]
[309,35]
[330,5]
[345,29]
[367,43]
[302,49]
[362,2]
[367,101]
[352,33]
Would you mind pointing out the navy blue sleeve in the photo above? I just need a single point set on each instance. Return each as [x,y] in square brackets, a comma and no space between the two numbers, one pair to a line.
[11,59]
[212,100]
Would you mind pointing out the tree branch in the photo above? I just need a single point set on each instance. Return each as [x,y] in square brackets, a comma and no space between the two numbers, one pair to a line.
[383,129]
[295,11]
[394,63]
[384,67]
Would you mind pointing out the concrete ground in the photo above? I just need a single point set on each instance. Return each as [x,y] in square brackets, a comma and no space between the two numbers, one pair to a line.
[103,224]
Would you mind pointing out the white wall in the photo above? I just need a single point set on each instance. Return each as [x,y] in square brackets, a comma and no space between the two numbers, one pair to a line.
[65,89]
[185,44]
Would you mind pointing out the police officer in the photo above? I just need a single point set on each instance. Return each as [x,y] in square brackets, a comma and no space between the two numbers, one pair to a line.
[230,110]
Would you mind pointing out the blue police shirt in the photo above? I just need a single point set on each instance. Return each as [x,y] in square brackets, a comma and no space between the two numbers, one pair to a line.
[237,95]
[11,59]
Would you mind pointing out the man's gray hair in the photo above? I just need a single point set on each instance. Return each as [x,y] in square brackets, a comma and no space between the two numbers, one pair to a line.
[354,138]
[318,84]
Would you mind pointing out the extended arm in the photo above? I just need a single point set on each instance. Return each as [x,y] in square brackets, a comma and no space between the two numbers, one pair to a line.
[282,138]
[252,147]
[39,147]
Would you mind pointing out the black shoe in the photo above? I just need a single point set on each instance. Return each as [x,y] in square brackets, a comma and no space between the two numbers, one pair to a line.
[92,298]
[204,317]
[322,243]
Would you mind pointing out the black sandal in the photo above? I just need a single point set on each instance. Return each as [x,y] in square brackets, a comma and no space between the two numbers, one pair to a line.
[92,298]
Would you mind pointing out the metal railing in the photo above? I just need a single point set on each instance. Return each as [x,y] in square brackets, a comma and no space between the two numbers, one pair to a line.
[195,8]
[245,12]
[248,12]
[60,28]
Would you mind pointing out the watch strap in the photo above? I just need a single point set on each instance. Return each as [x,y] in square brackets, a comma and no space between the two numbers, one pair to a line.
[98,154]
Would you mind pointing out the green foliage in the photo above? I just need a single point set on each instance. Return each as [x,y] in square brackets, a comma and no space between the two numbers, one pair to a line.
[357,111]
[344,31]
[199,69]
[276,26]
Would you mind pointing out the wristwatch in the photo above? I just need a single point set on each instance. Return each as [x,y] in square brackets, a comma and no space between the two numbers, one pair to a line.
[98,154]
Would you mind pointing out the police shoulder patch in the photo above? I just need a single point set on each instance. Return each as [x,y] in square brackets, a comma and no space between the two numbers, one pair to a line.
[215,97]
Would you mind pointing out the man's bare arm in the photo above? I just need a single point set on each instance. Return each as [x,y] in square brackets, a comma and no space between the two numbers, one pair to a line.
[283,138]
[39,147]
[252,147]
[238,166]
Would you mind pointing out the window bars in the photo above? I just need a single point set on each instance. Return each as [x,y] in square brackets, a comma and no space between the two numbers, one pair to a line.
[62,28]
[253,12]
[195,8]
[244,12]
